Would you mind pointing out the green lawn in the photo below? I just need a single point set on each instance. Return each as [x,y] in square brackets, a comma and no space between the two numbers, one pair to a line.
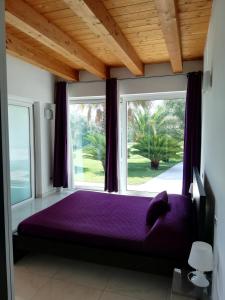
[139,171]
[88,170]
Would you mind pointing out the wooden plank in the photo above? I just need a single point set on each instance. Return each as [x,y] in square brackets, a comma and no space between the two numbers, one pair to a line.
[121,3]
[60,18]
[126,10]
[25,18]
[38,58]
[48,6]
[139,22]
[135,8]
[187,6]
[48,52]
[101,22]
[169,24]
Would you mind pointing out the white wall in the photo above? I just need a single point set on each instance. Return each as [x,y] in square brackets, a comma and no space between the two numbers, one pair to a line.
[89,85]
[29,83]
[213,137]
[26,80]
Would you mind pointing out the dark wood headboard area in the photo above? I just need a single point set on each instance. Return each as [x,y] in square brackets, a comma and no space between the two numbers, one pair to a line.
[203,211]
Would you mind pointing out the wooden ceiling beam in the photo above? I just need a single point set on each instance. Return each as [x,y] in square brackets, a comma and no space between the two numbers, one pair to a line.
[99,20]
[170,28]
[23,17]
[30,54]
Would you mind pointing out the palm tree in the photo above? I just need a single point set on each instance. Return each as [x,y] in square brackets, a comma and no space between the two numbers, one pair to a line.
[167,119]
[96,147]
[153,137]
[156,148]
[134,108]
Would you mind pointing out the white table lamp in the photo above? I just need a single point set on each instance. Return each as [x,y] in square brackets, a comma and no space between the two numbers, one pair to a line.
[201,259]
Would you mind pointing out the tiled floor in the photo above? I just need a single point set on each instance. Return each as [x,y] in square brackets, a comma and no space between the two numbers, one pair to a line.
[40,277]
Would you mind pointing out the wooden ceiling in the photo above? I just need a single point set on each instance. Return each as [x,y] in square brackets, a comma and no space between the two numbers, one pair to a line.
[65,36]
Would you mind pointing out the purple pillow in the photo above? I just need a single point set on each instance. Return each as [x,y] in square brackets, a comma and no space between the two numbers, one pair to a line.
[158,206]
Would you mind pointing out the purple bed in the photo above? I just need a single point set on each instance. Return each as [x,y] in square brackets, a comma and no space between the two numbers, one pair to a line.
[111,229]
[115,222]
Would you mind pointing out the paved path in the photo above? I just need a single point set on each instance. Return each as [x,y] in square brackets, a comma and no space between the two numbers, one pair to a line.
[170,180]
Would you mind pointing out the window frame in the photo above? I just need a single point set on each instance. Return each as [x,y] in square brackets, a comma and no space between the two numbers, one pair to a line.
[81,100]
[17,101]
[124,99]
[122,134]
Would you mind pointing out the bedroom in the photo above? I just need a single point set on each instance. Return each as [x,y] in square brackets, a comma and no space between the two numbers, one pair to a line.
[32,116]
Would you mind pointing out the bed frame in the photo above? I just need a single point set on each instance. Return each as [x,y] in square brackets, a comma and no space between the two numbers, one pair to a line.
[135,261]
[203,210]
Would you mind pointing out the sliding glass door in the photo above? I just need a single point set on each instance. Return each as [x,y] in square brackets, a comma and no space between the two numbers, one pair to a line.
[87,135]
[151,135]
[21,152]
[6,249]
[153,145]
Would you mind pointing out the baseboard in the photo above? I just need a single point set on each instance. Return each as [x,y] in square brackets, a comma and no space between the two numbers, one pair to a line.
[48,193]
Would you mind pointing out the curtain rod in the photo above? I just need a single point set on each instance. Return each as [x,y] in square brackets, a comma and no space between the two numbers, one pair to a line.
[132,78]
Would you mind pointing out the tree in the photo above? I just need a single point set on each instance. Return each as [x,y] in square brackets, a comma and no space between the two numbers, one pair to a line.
[171,118]
[84,119]
[141,123]
[79,128]
[156,136]
[96,147]
[156,148]
[167,118]
[136,108]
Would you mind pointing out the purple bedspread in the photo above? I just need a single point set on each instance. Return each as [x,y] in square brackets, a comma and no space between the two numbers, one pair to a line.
[115,222]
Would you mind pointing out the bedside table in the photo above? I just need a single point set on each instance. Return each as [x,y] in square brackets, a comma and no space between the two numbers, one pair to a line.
[183,289]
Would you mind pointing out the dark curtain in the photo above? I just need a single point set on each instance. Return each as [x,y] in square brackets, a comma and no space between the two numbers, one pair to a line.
[111,176]
[60,172]
[192,131]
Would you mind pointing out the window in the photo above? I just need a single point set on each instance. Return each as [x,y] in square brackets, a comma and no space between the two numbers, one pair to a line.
[151,150]
[21,152]
[153,145]
[87,133]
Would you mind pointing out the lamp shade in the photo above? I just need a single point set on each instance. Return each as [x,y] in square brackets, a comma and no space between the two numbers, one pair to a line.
[201,257]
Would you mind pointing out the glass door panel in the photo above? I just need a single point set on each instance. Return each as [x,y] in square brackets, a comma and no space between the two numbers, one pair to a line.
[87,127]
[155,132]
[20,153]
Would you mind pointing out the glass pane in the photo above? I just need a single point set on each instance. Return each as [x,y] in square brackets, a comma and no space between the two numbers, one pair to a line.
[155,145]
[87,122]
[19,149]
